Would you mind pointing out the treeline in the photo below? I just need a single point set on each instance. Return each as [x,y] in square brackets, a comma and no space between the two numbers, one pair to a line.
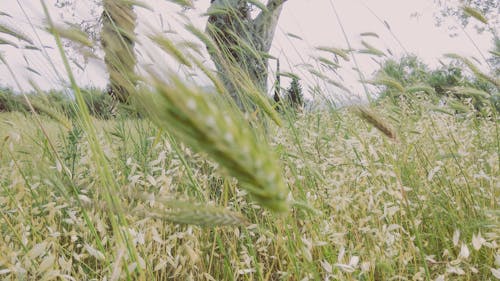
[100,104]
[459,82]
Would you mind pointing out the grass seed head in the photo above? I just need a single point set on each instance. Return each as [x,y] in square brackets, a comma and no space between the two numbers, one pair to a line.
[372,118]
[221,132]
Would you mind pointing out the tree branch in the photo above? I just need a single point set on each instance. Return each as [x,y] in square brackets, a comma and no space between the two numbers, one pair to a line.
[266,22]
[274,4]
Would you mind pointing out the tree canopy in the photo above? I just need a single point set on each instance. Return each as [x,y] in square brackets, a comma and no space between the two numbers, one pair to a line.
[490,9]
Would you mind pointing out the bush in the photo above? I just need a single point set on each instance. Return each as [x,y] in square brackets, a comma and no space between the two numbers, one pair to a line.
[10,102]
[410,78]
[100,104]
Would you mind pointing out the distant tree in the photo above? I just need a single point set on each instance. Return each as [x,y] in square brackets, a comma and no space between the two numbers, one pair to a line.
[9,101]
[294,94]
[409,77]
[408,70]
[490,9]
[445,77]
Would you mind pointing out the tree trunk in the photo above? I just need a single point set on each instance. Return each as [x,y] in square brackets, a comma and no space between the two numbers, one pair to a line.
[118,40]
[243,42]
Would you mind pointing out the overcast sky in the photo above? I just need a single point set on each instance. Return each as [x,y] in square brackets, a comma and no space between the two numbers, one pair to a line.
[312,20]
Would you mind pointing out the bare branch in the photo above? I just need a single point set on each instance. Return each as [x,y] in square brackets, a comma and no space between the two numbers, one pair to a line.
[266,22]
[274,4]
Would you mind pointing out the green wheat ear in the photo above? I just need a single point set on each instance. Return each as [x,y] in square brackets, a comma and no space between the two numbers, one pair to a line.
[220,131]
[183,212]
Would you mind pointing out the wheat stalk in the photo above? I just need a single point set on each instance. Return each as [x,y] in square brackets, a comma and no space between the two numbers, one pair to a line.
[221,132]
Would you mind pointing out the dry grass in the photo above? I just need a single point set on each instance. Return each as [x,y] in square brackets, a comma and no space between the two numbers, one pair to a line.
[438,183]
[192,199]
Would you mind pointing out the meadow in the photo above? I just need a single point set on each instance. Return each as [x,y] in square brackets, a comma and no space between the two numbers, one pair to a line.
[185,184]
[422,204]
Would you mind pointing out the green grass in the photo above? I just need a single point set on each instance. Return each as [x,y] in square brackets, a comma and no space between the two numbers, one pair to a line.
[192,188]
[382,208]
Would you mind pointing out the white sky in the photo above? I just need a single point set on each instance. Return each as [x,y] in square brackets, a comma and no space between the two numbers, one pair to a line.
[312,20]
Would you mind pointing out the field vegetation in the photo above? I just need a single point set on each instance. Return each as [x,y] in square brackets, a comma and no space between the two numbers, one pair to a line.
[181,184]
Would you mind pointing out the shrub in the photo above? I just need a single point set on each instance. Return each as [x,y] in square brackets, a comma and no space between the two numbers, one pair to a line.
[410,78]
[9,101]
[100,104]
[294,94]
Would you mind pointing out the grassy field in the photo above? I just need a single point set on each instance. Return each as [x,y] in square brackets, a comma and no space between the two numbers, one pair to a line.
[422,205]
[226,184]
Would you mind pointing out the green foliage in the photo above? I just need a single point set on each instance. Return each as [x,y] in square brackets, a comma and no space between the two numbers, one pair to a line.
[408,71]
[447,76]
[494,61]
[9,101]
[487,9]
[294,95]
[99,103]
[417,204]
[410,78]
